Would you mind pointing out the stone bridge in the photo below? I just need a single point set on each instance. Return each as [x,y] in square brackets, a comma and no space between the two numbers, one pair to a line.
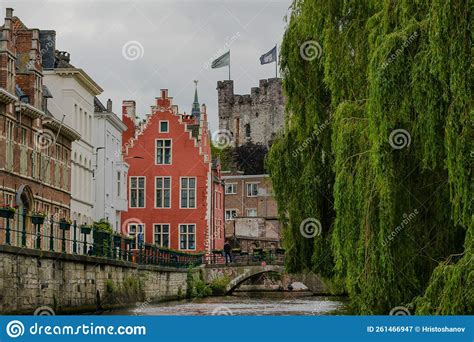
[238,273]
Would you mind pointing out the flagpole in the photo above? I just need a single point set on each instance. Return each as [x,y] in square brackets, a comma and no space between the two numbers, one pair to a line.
[276,61]
[229,65]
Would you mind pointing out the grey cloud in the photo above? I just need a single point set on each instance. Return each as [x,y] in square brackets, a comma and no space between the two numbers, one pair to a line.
[178,38]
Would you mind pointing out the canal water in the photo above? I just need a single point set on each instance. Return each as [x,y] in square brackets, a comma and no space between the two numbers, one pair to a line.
[252,304]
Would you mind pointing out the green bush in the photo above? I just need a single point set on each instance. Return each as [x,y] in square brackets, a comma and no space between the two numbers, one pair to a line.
[196,286]
[219,285]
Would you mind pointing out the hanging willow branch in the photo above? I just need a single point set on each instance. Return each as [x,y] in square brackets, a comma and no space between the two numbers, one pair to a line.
[382,67]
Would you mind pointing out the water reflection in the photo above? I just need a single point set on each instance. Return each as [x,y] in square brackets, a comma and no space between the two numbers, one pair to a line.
[245,304]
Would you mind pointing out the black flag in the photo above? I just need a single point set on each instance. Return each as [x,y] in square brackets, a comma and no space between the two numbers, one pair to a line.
[269,57]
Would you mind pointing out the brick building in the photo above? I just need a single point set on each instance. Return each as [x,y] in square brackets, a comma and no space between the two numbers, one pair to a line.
[35,148]
[251,216]
[255,117]
[175,190]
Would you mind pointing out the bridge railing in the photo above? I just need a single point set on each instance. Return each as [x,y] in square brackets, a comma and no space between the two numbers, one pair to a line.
[272,256]
[47,234]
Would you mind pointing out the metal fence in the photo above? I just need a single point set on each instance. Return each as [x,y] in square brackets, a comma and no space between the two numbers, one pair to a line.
[45,233]
[270,257]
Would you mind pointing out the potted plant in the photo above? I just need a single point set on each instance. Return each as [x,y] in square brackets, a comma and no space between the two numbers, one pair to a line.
[37,217]
[102,237]
[86,229]
[65,223]
[7,212]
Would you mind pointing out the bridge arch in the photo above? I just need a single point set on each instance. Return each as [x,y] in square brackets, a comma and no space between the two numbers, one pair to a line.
[238,274]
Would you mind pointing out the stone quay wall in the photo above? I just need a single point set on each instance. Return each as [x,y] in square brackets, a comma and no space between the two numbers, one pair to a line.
[66,283]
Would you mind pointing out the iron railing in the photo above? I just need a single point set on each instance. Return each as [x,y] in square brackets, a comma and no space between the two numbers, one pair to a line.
[270,257]
[47,234]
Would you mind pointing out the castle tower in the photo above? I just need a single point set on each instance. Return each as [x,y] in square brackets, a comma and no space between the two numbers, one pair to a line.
[256,117]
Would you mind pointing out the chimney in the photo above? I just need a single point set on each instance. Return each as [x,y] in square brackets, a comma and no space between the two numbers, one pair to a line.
[129,119]
[109,105]
[9,13]
[48,47]
[164,94]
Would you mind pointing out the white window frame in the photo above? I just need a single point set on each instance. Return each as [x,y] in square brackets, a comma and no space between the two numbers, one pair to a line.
[247,188]
[135,235]
[163,148]
[188,190]
[231,217]
[187,234]
[167,126]
[169,234]
[234,186]
[251,209]
[170,189]
[130,192]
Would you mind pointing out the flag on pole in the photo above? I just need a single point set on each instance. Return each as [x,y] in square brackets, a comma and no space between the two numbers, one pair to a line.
[269,57]
[221,61]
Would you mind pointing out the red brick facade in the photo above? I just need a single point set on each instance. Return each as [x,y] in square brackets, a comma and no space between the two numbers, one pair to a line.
[175,192]
[35,167]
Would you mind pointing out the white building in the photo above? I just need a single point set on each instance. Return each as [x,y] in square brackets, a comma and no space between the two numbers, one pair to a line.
[110,169]
[73,101]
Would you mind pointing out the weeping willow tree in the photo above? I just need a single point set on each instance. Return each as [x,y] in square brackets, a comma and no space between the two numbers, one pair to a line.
[376,147]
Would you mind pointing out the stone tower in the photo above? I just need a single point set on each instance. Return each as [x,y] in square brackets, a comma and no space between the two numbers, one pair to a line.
[256,117]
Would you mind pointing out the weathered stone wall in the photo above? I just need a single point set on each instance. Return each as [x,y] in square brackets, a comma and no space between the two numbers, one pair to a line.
[255,117]
[75,283]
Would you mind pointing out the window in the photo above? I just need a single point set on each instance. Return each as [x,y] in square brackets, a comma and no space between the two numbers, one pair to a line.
[187,236]
[163,192]
[10,128]
[163,126]
[58,152]
[163,151]
[230,214]
[137,192]
[136,230]
[252,189]
[188,192]
[251,212]
[162,235]
[23,140]
[119,183]
[230,188]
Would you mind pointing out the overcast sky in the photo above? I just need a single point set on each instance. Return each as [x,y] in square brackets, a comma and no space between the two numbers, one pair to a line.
[170,44]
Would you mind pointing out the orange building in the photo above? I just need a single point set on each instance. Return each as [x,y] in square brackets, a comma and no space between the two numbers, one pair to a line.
[175,191]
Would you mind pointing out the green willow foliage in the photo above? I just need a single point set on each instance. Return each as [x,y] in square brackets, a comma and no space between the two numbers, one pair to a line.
[389,216]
